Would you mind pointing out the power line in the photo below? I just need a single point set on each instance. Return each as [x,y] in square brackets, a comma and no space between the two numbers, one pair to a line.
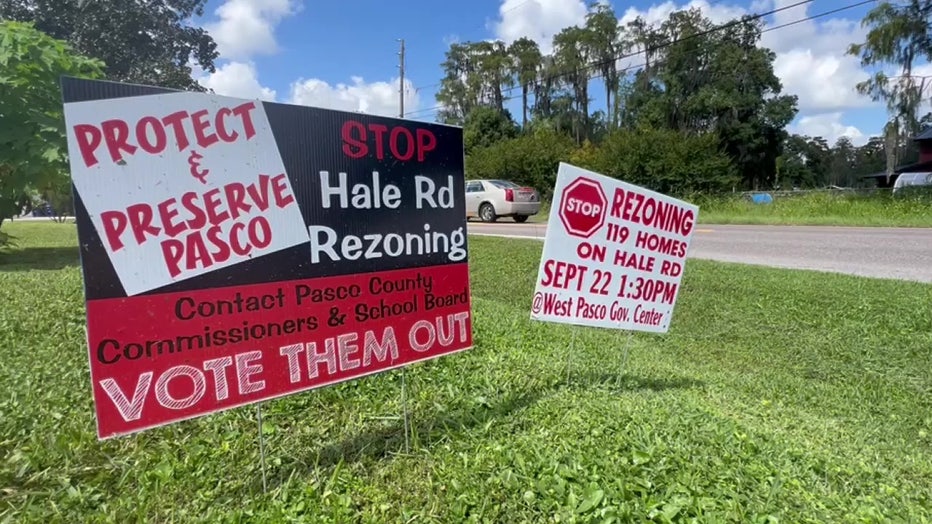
[512,8]
[600,63]
[597,65]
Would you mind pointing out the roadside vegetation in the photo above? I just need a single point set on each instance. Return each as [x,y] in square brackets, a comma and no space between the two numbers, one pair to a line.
[673,118]
[911,209]
[777,396]
[817,208]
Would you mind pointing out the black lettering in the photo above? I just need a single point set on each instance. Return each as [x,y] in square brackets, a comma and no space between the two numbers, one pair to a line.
[108,343]
[305,293]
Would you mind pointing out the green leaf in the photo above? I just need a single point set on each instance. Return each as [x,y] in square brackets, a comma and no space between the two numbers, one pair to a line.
[593,499]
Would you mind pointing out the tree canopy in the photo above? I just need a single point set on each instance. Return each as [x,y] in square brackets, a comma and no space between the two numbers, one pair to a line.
[33,152]
[704,111]
[900,35]
[149,42]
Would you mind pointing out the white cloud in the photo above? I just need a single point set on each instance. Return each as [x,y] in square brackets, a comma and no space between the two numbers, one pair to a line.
[238,79]
[829,127]
[656,14]
[810,55]
[822,82]
[538,20]
[247,27]
[377,98]
[812,61]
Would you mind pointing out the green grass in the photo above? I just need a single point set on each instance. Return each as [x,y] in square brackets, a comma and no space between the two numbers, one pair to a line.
[809,209]
[821,209]
[777,396]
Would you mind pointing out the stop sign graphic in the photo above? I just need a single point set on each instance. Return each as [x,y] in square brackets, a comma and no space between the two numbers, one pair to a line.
[582,207]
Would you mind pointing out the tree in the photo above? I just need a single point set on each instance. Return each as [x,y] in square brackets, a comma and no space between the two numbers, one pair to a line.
[146,42]
[526,62]
[715,81]
[32,131]
[899,35]
[459,92]
[803,162]
[475,74]
[571,51]
[530,159]
[485,126]
[495,69]
[605,42]
[842,162]
[667,161]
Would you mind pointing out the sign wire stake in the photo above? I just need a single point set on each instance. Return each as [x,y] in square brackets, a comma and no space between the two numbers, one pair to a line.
[265,486]
[404,409]
[569,355]
[624,358]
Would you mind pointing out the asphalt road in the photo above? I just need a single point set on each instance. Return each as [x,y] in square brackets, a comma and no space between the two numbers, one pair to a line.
[899,253]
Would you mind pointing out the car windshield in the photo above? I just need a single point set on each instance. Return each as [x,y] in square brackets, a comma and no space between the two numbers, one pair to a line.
[504,184]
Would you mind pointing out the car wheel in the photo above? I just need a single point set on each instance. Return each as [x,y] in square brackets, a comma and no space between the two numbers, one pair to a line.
[487,212]
[520,218]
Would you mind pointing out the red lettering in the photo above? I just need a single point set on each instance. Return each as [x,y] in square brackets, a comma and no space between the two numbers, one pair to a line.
[629,204]
[172,250]
[244,112]
[221,125]
[351,141]
[282,198]
[200,128]
[198,217]
[192,252]
[261,198]
[356,141]
[202,216]
[617,200]
[167,212]
[211,204]
[196,252]
[88,138]
[140,221]
[561,274]
[223,250]
[114,223]
[379,131]
[236,199]
[151,134]
[238,248]
[176,121]
[409,139]
[116,134]
[260,225]
[426,141]
[149,125]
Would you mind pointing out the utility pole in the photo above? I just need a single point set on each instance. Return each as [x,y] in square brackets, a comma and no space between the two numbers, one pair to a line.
[401,81]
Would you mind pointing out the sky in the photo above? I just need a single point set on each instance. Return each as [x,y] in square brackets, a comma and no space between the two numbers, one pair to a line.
[345,55]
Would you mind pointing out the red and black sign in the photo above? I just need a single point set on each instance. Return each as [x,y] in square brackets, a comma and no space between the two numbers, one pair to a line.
[235,251]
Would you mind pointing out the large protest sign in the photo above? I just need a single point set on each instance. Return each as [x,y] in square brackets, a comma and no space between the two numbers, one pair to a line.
[614,254]
[235,250]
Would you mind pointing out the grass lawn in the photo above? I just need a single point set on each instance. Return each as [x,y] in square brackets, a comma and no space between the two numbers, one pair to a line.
[777,396]
[809,209]
[821,209]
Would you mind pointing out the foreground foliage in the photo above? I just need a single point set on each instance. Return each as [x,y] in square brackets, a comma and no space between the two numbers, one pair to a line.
[771,399]
[151,42]
[33,152]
